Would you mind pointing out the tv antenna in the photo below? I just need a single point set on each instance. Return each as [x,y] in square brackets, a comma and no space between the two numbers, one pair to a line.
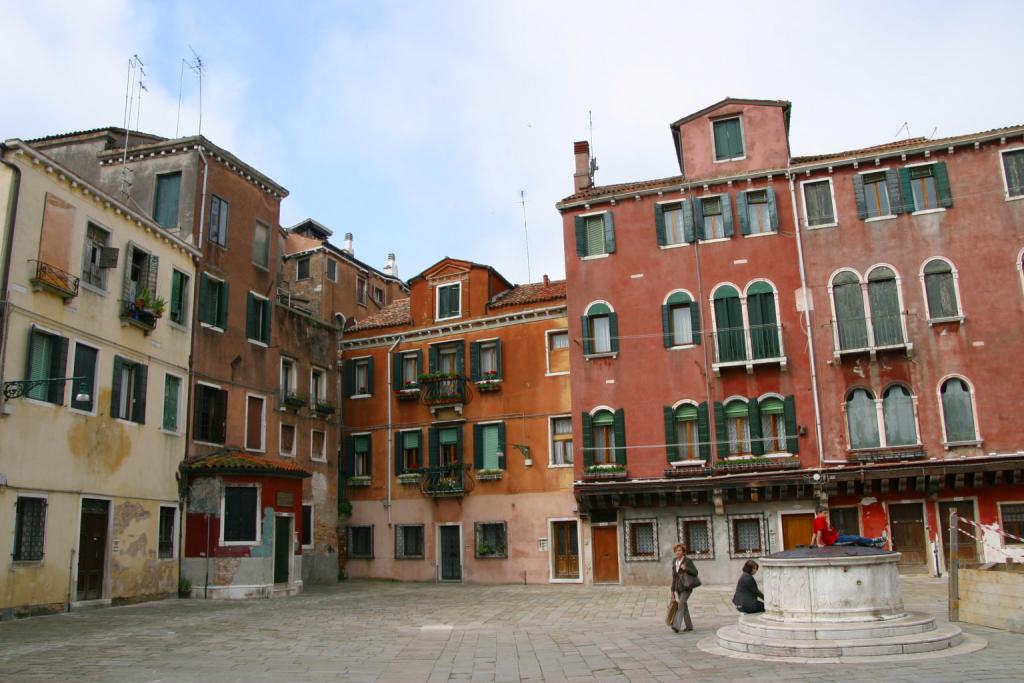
[197,66]
[526,232]
[593,158]
[136,72]
[906,127]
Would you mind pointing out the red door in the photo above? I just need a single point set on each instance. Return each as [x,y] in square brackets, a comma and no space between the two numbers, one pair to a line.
[605,543]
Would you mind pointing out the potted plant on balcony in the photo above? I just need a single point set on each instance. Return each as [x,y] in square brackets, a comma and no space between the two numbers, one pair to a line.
[745,464]
[409,478]
[409,391]
[608,471]
[323,407]
[485,474]
[294,400]
[358,480]
[489,382]
[442,387]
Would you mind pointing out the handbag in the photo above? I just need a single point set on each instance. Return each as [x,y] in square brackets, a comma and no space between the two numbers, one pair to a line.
[690,582]
[670,615]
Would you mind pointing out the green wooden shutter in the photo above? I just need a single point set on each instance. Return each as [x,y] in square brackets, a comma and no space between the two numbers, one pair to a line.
[689,234]
[348,460]
[433,358]
[697,206]
[205,300]
[434,444]
[906,190]
[250,317]
[773,210]
[619,429]
[741,209]
[58,368]
[419,366]
[126,282]
[369,454]
[581,236]
[671,445]
[789,415]
[175,304]
[721,431]
[115,388]
[587,335]
[397,445]
[703,432]
[942,188]
[369,375]
[151,276]
[858,195]
[139,399]
[458,445]
[498,365]
[503,457]
[756,434]
[478,446]
[222,309]
[609,233]
[268,310]
[172,388]
[892,185]
[460,358]
[588,439]
[613,331]
[397,380]
[666,325]
[695,321]
[474,361]
[659,224]
[350,380]
[727,215]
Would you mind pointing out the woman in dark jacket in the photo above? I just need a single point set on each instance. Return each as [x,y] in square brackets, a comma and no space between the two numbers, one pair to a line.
[682,566]
[748,598]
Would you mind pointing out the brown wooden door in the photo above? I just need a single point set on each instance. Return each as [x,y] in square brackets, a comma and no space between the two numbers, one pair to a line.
[967,548]
[605,541]
[797,530]
[907,523]
[567,550]
[92,549]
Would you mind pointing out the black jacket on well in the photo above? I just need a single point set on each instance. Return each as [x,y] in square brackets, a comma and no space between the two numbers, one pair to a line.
[747,593]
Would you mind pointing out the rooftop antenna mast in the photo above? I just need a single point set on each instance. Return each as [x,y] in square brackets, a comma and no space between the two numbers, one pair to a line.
[138,109]
[181,78]
[593,158]
[198,66]
[526,232]
[136,72]
[905,126]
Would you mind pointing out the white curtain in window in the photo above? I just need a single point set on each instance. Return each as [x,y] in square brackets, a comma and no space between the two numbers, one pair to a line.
[602,334]
[682,330]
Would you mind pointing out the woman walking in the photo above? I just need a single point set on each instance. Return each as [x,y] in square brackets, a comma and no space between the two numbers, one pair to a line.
[748,596]
[684,580]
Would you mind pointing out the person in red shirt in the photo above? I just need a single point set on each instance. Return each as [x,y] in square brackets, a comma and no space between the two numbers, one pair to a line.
[825,535]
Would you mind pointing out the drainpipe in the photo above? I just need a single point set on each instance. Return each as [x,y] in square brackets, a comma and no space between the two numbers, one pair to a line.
[202,198]
[704,347]
[11,218]
[391,427]
[807,321]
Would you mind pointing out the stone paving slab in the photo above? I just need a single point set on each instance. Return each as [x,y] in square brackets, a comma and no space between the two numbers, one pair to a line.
[382,631]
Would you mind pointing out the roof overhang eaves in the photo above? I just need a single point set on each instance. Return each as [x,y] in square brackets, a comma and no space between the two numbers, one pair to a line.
[251,472]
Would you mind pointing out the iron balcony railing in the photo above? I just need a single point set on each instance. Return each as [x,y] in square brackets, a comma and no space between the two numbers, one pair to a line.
[748,345]
[869,333]
[443,388]
[452,479]
[58,281]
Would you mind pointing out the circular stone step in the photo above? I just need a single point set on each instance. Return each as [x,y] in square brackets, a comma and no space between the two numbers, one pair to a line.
[939,638]
[910,623]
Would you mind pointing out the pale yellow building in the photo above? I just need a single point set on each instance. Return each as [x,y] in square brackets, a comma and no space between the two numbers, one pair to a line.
[94,288]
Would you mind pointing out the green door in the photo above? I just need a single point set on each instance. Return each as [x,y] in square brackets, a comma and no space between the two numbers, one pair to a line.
[282,548]
[764,328]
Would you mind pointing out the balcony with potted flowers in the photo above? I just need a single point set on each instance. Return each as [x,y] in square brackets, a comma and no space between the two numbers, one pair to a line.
[489,382]
[409,391]
[143,311]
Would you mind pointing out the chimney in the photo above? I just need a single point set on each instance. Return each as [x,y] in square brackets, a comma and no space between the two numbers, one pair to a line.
[391,267]
[547,282]
[582,179]
[348,245]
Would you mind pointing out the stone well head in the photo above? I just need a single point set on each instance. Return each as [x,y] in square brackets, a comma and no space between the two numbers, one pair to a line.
[836,584]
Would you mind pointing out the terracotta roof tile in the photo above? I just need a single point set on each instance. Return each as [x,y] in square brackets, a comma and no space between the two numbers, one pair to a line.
[234,460]
[531,293]
[395,313]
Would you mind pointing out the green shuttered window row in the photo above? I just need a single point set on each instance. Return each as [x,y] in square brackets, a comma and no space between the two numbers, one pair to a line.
[760,425]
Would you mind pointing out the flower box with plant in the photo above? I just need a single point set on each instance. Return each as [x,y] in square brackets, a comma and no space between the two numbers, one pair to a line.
[294,400]
[324,407]
[360,480]
[608,471]
[486,549]
[409,391]
[756,463]
[489,381]
[485,474]
[409,478]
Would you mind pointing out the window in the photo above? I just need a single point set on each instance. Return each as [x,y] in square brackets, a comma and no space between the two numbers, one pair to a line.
[98,257]
[360,542]
[600,330]
[819,208]
[561,441]
[1011,516]
[448,358]
[140,278]
[361,380]
[730,339]
[845,520]
[670,224]
[287,440]
[489,446]
[378,295]
[680,320]
[862,419]
[254,427]
[302,268]
[179,297]
[218,221]
[695,534]
[317,385]
[595,235]
[257,320]
[128,391]
[940,290]
[773,425]
[409,460]
[47,359]
[449,301]
[713,211]
[213,301]
[1013,172]
[558,352]
[958,411]
[765,334]
[288,385]
[240,515]
[318,445]
[485,360]
[491,540]
[211,414]
[261,244]
[926,187]
[728,134]
[410,369]
[489,359]
[409,542]
[604,445]
[86,358]
[875,190]
[172,401]
[361,290]
[737,424]
[165,539]
[641,539]
[165,206]
[29,525]
[361,455]
[745,533]
[758,213]
[884,300]
[307,526]
[332,270]
[682,433]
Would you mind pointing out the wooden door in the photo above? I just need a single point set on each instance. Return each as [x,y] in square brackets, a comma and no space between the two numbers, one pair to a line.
[451,558]
[797,530]
[907,523]
[282,548]
[92,549]
[567,551]
[967,548]
[605,540]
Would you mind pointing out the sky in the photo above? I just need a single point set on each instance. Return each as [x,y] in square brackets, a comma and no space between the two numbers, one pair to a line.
[420,126]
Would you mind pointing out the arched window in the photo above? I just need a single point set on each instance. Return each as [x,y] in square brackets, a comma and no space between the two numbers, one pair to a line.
[600,330]
[898,414]
[848,299]
[764,327]
[729,325]
[680,320]
[685,423]
[737,420]
[604,437]
[940,288]
[958,411]
[862,419]
[773,425]
[884,299]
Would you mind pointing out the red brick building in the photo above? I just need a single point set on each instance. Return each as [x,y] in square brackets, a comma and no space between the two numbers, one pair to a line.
[709,382]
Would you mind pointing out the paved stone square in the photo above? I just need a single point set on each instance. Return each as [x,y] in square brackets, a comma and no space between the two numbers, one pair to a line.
[381,631]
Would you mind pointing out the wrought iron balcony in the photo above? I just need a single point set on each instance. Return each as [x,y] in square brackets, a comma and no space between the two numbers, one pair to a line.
[53,279]
[446,481]
[870,334]
[443,389]
[748,346]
